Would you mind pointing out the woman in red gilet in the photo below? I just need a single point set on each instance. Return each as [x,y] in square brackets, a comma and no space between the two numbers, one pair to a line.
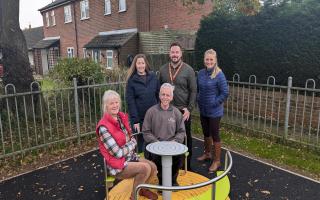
[117,146]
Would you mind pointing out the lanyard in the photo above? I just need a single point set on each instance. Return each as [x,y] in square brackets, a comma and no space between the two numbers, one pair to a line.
[172,78]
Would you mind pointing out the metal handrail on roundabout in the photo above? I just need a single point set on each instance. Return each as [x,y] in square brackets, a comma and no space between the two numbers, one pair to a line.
[228,165]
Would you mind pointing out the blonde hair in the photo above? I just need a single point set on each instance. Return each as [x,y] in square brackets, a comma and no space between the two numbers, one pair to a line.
[109,94]
[216,69]
[133,68]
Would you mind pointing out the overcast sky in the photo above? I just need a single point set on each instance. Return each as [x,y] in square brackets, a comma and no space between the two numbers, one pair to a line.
[29,13]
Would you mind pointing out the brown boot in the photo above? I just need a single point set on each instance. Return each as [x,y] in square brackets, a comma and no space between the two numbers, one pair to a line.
[217,153]
[148,194]
[207,149]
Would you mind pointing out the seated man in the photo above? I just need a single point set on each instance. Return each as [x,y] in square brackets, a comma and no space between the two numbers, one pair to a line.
[164,122]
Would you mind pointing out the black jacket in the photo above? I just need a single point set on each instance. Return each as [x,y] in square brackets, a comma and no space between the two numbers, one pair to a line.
[141,95]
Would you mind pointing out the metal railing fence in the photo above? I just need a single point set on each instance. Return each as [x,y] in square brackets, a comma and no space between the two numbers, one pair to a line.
[38,119]
[292,113]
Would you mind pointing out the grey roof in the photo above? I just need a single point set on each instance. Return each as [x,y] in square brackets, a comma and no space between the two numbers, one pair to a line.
[45,43]
[56,3]
[110,41]
[33,36]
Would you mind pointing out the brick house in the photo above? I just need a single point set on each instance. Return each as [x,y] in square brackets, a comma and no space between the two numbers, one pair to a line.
[108,31]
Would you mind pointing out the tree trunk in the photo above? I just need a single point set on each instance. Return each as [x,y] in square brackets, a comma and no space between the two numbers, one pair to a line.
[17,70]
[14,47]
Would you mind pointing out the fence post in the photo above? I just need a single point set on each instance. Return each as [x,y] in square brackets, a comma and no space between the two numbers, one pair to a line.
[286,119]
[76,106]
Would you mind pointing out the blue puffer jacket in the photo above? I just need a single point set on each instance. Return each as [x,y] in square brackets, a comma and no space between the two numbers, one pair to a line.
[211,93]
[141,95]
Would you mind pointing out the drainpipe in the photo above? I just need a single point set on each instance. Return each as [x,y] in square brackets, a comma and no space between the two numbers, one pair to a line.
[118,50]
[75,26]
[149,17]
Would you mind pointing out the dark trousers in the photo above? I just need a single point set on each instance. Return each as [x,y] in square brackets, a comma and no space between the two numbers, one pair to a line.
[176,164]
[140,140]
[189,141]
[141,146]
[210,127]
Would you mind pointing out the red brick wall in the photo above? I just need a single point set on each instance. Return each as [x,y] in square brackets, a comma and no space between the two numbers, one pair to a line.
[89,28]
[162,12]
[176,16]
[65,31]
[143,18]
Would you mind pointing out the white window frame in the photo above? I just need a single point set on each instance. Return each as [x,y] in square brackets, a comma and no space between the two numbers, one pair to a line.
[109,57]
[122,5]
[84,9]
[67,14]
[53,18]
[96,55]
[70,52]
[84,52]
[107,7]
[47,19]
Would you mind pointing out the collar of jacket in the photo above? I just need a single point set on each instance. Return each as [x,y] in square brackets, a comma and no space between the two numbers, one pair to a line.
[137,77]
[169,109]
[209,70]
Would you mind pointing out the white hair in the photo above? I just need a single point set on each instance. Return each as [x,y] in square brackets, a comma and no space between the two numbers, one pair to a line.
[109,94]
[167,85]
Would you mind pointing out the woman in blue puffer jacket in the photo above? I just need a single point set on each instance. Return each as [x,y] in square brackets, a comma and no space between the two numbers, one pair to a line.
[142,92]
[212,92]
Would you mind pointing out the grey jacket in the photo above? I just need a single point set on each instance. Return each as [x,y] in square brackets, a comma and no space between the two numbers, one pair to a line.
[163,125]
[185,86]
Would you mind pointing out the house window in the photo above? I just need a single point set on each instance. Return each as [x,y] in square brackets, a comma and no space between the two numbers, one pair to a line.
[67,14]
[122,5]
[47,19]
[107,7]
[70,52]
[53,18]
[109,59]
[84,9]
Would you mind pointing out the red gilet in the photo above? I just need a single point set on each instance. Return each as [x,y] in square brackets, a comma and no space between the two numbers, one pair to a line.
[115,130]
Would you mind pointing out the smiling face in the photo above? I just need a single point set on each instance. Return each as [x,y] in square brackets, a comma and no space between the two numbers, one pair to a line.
[141,66]
[112,106]
[210,60]
[175,54]
[165,96]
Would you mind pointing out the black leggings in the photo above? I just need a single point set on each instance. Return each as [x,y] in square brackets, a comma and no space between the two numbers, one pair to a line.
[210,127]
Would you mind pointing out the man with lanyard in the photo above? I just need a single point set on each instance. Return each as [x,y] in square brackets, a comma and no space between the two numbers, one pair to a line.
[182,77]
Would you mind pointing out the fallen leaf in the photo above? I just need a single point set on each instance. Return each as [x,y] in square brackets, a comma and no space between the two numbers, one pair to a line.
[81,188]
[247,194]
[265,192]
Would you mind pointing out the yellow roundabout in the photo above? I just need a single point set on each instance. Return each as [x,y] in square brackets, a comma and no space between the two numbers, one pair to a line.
[122,190]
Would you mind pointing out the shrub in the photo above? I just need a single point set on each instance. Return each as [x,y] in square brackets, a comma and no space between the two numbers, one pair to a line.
[282,40]
[81,69]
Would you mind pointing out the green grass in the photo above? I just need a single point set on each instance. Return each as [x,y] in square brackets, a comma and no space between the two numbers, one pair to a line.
[299,159]
[47,84]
